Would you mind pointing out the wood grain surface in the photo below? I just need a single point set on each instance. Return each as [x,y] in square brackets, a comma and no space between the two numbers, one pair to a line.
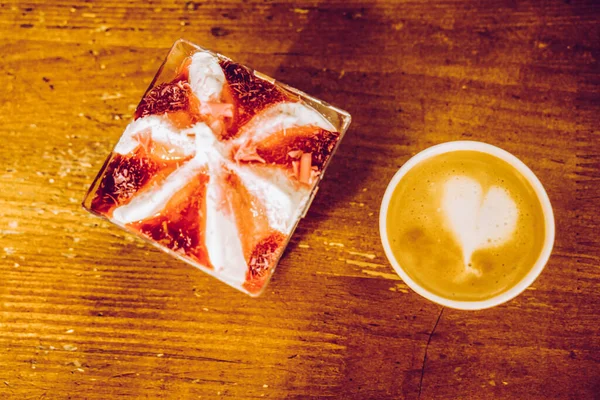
[89,312]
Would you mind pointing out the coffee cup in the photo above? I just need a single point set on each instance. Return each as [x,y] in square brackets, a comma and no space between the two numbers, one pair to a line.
[467,225]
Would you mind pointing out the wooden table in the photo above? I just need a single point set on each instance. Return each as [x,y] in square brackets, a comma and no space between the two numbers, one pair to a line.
[89,312]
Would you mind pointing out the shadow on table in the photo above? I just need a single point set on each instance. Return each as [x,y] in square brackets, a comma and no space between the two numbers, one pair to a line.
[321,62]
[329,59]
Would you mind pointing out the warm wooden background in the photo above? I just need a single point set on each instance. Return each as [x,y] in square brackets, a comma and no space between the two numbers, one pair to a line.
[89,312]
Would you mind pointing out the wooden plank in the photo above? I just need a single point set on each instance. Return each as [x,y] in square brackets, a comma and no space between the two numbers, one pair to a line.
[87,311]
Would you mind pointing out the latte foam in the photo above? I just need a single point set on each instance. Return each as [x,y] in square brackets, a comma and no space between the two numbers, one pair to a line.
[465,225]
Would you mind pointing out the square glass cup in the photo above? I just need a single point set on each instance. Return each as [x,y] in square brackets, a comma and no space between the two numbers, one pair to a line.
[218,165]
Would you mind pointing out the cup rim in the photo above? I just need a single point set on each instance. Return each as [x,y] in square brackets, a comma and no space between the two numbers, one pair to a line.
[548,214]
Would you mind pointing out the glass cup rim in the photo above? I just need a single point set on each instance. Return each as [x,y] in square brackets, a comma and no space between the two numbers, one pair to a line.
[467,145]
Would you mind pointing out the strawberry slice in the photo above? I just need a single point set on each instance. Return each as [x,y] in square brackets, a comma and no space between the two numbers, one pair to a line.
[285,146]
[145,163]
[248,93]
[127,175]
[174,98]
[181,225]
[263,258]
[304,150]
[249,212]
[159,149]
[289,134]
[283,198]
[261,244]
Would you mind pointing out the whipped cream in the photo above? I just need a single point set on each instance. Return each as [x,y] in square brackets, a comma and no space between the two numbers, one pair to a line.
[206,77]
[161,131]
[280,117]
[222,237]
[151,201]
[283,200]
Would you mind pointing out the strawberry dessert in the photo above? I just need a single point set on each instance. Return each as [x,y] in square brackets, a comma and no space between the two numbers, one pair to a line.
[217,167]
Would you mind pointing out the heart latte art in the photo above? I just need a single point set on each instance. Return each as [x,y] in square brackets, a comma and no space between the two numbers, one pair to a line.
[465,225]
[479,220]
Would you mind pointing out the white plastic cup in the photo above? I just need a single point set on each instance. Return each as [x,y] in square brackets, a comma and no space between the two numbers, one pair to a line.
[524,171]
